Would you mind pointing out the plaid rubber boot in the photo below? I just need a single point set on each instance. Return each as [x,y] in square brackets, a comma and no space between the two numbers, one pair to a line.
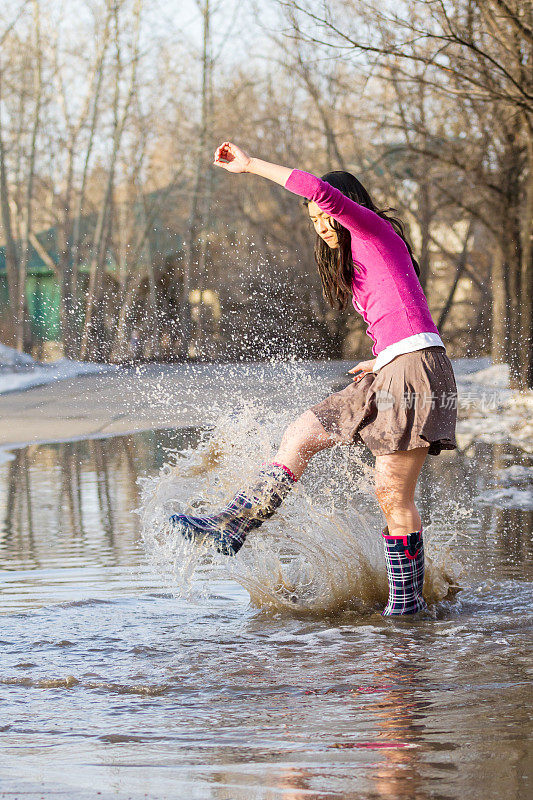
[404,555]
[227,529]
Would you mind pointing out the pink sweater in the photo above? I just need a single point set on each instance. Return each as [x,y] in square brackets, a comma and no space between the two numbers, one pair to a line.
[386,289]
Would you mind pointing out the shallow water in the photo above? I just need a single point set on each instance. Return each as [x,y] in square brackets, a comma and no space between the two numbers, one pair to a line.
[130,669]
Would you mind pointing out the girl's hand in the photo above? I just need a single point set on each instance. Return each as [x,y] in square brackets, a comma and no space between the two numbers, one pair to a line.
[363,368]
[232,158]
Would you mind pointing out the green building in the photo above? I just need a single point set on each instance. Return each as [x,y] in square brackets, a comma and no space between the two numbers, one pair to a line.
[42,290]
[43,296]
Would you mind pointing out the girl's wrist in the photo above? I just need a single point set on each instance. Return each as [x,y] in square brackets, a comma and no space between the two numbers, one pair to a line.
[274,172]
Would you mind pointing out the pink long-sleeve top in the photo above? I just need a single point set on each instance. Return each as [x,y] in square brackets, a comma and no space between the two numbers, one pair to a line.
[386,289]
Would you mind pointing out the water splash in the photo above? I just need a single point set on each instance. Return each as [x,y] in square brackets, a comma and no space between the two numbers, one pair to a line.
[322,551]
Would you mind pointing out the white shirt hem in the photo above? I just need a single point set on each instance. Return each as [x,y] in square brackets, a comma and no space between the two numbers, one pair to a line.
[408,345]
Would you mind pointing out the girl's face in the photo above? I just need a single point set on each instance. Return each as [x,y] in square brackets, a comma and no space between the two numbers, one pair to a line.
[323,224]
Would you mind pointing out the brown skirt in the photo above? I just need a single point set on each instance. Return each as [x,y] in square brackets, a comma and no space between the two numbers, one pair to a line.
[411,402]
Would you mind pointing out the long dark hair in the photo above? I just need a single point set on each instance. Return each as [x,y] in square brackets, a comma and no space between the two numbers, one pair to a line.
[335,266]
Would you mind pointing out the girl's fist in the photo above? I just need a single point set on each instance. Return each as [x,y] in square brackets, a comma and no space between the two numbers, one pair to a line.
[232,158]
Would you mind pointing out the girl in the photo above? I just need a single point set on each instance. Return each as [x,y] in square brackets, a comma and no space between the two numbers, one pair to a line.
[401,404]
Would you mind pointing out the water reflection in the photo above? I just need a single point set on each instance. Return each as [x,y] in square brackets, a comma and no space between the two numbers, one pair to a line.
[78,497]
[400,716]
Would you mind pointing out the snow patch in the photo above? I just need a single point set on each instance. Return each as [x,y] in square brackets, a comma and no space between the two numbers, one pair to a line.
[516,473]
[510,497]
[19,371]
[12,358]
[490,411]
[496,376]
[5,456]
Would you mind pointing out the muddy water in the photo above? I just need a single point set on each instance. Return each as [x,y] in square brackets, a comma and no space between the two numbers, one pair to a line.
[132,669]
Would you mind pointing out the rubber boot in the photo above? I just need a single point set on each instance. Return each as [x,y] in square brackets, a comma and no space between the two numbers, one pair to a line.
[404,554]
[228,529]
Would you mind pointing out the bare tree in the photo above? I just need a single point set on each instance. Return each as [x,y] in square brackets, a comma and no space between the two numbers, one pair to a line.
[120,116]
[14,267]
[74,197]
[478,51]
[29,181]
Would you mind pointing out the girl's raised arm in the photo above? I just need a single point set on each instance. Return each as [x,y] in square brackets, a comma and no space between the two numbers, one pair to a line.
[233,159]
[357,218]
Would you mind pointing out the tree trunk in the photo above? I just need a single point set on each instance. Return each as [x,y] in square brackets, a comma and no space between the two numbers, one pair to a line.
[25,253]
[197,214]
[10,247]
[526,293]
[499,310]
[424,218]
[460,268]
[513,262]
[66,283]
[119,122]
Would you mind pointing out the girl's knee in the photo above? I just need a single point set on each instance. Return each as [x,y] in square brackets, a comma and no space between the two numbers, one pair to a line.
[390,497]
[306,432]
[290,434]
[383,494]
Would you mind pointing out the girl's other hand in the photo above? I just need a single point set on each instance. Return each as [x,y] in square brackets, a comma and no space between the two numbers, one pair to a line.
[232,158]
[363,368]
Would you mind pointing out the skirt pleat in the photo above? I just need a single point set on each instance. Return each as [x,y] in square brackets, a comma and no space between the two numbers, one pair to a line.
[411,402]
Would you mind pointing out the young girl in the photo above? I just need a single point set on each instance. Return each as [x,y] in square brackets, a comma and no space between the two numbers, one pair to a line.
[402,404]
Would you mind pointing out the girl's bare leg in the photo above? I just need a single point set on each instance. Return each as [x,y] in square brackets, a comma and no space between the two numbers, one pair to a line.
[227,529]
[301,441]
[396,475]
